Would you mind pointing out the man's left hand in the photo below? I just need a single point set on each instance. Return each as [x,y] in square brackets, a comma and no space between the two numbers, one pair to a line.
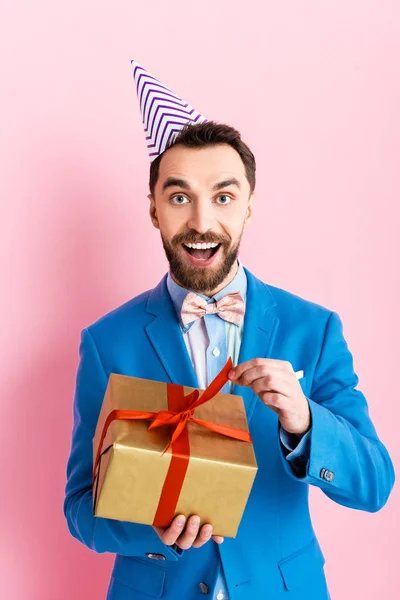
[276,384]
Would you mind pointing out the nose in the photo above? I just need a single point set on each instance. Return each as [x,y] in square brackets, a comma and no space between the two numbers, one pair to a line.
[201,218]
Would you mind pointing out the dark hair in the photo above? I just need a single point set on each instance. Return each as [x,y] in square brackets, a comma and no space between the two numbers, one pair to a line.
[209,134]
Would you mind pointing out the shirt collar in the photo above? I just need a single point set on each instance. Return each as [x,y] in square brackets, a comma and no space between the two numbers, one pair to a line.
[178,293]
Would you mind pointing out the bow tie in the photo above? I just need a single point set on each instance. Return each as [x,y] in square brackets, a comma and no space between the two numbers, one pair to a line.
[230,308]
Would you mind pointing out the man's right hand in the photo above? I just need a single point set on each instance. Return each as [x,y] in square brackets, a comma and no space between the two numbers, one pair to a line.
[187,535]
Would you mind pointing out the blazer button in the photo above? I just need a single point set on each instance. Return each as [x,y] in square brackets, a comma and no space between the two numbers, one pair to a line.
[203,588]
[155,556]
[327,475]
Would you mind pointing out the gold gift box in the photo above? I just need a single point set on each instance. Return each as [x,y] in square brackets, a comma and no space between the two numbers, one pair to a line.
[132,468]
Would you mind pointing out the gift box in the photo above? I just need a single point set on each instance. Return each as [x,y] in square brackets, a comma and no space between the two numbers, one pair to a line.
[164,449]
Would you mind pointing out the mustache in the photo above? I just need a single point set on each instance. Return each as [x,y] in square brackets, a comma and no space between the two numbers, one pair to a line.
[192,237]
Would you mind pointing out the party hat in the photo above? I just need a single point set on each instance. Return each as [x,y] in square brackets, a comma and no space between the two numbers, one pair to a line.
[164,113]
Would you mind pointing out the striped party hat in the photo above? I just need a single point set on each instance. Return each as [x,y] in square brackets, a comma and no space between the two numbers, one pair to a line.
[164,114]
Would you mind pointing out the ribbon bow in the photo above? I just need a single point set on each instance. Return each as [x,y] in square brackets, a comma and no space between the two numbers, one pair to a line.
[179,419]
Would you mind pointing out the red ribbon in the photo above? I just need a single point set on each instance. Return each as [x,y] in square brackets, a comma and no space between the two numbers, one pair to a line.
[181,411]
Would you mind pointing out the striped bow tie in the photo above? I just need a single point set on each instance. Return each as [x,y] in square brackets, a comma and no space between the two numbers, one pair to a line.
[230,308]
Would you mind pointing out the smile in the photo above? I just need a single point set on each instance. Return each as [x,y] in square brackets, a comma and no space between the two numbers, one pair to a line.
[201,254]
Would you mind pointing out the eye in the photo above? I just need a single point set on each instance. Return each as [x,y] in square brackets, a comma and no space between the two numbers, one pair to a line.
[222,200]
[179,199]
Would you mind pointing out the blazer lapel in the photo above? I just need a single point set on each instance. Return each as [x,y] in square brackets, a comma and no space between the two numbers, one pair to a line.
[166,337]
[260,326]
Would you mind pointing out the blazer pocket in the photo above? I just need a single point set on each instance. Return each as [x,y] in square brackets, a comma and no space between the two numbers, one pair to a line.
[301,566]
[140,575]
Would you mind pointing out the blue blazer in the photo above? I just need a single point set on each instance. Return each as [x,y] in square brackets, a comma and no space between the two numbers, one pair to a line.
[275,554]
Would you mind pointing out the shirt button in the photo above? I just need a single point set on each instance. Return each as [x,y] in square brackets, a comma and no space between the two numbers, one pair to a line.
[220,596]
[216,352]
[203,588]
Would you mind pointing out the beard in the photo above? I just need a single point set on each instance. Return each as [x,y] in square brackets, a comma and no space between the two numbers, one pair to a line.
[200,279]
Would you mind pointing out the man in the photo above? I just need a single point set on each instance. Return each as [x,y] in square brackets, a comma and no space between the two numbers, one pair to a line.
[308,422]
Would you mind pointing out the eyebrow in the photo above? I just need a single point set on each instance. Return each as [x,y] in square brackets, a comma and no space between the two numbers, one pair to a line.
[174,182]
[226,183]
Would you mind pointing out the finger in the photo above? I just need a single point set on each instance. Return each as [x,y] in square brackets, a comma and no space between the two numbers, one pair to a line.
[203,537]
[281,365]
[278,385]
[171,534]
[255,372]
[251,374]
[217,538]
[272,377]
[238,371]
[188,536]
[261,379]
[277,402]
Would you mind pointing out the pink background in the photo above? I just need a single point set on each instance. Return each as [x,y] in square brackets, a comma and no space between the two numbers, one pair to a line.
[314,88]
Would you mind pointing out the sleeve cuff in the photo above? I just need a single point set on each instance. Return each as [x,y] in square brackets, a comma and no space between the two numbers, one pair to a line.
[176,551]
[297,449]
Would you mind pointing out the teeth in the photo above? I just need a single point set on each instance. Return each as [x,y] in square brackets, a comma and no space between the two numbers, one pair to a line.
[202,246]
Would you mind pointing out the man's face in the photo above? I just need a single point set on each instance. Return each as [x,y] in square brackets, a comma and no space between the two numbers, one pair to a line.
[202,196]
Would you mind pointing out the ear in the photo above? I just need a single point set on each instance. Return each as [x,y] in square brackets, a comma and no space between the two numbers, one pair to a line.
[153,211]
[249,212]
